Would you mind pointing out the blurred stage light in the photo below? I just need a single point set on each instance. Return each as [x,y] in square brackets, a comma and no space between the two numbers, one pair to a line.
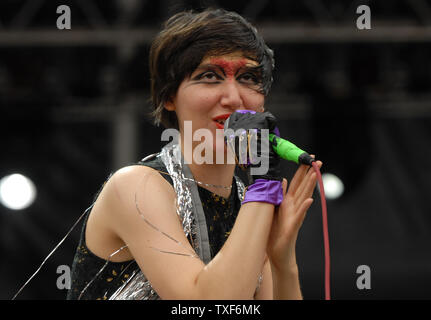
[17,192]
[333,185]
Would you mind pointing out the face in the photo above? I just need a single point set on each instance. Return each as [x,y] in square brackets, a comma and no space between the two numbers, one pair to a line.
[219,86]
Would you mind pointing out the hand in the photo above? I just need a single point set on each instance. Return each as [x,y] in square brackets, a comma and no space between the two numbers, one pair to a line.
[244,121]
[289,217]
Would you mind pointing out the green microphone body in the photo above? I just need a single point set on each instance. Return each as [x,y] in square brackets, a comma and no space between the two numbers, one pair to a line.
[288,151]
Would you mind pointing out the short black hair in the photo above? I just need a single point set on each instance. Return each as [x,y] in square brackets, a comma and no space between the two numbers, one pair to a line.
[186,39]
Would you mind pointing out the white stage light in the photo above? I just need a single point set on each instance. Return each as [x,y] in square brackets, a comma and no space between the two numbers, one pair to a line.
[334,187]
[17,192]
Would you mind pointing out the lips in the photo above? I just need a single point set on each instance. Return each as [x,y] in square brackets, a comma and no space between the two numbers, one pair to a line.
[220,120]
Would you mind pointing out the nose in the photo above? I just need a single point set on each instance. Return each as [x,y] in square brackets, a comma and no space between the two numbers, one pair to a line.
[231,96]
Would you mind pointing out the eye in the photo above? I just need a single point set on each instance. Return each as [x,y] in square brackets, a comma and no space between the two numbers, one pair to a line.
[208,76]
[249,78]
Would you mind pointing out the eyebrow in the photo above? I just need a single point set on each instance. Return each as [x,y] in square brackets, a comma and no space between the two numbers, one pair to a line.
[210,65]
[216,66]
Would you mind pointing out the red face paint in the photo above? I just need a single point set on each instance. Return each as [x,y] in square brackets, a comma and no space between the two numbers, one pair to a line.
[230,67]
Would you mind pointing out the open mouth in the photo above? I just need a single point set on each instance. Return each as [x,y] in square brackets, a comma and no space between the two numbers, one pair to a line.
[220,123]
[220,120]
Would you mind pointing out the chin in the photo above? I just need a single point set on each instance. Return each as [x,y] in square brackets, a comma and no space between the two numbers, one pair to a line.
[222,150]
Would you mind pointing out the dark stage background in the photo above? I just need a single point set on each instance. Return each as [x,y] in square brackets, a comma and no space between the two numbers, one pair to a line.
[74,107]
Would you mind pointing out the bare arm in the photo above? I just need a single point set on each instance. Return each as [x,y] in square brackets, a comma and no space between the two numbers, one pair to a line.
[239,262]
[265,291]
[233,272]
[286,284]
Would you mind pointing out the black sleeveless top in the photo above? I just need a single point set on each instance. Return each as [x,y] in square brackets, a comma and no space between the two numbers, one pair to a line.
[220,215]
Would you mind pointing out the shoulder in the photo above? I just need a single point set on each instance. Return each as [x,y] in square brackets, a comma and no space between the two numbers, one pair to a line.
[131,190]
[133,174]
[116,217]
[128,186]
[138,182]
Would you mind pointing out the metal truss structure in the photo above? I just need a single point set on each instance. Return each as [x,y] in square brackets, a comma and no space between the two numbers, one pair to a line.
[308,21]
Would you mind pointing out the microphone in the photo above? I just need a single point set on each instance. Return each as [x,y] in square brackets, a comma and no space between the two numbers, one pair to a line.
[288,151]
[248,119]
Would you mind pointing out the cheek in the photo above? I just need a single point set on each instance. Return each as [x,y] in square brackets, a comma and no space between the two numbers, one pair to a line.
[200,102]
[206,102]
[255,102]
[195,107]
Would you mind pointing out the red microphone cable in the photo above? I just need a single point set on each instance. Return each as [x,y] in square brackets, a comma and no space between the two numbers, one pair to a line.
[325,232]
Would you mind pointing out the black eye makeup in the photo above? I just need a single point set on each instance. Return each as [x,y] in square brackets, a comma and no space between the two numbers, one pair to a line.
[248,75]
[251,77]
[208,75]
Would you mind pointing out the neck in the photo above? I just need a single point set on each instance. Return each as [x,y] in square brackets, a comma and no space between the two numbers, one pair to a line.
[219,175]
[211,173]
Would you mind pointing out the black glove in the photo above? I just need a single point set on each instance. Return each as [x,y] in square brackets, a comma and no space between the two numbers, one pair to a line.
[248,120]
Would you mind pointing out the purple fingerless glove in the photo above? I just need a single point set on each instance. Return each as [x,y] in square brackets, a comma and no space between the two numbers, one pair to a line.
[262,190]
